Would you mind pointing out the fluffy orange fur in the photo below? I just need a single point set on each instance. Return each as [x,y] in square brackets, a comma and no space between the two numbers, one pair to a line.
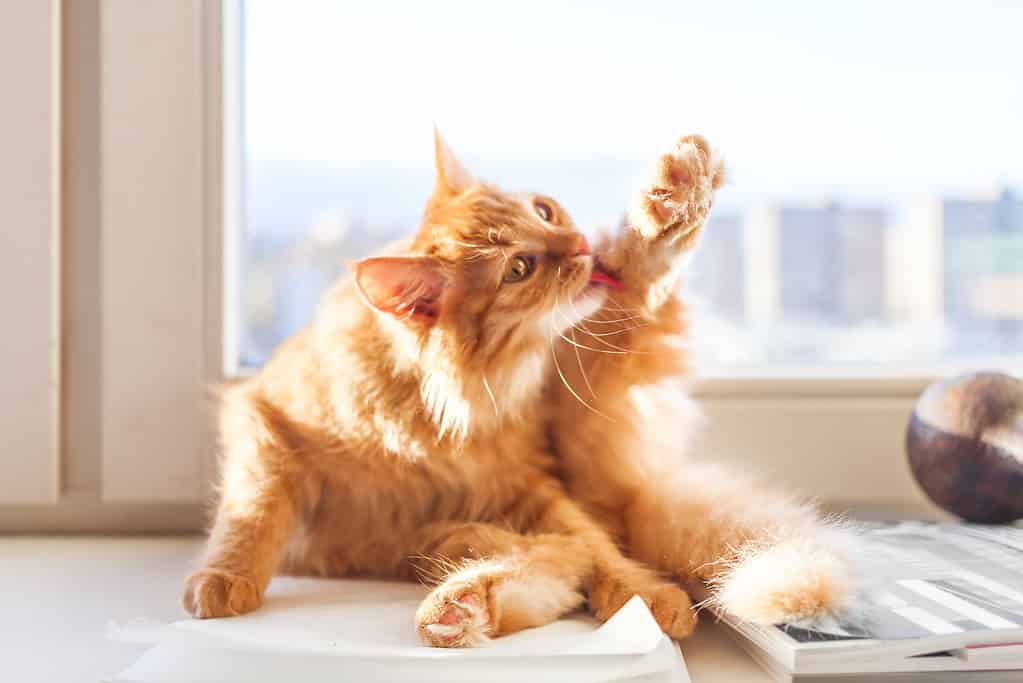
[478,408]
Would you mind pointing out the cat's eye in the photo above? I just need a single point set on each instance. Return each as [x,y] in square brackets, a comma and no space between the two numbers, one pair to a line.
[543,209]
[519,268]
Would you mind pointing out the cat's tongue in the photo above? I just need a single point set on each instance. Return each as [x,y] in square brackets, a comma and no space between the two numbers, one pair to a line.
[602,277]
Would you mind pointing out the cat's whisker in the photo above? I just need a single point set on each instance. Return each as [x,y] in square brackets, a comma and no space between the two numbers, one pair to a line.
[595,334]
[617,350]
[575,312]
[599,338]
[558,311]
[619,309]
[582,328]
[557,366]
[610,322]
[582,370]
[620,330]
[590,348]
[624,312]
[490,393]
[617,305]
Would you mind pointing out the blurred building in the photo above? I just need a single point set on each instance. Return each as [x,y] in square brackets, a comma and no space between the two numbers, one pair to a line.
[821,265]
[719,272]
[288,272]
[969,256]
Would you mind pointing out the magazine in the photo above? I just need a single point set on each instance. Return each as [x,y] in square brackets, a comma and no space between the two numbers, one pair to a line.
[937,599]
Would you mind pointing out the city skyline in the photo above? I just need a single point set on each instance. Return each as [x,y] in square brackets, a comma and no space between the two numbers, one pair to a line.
[839,123]
[876,296]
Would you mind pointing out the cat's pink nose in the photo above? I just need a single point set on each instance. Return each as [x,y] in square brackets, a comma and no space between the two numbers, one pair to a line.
[582,247]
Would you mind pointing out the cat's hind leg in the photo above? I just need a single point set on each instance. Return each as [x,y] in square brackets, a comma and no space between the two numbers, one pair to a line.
[616,581]
[493,582]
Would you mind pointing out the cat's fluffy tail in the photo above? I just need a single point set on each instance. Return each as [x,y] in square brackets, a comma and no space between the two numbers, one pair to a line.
[806,579]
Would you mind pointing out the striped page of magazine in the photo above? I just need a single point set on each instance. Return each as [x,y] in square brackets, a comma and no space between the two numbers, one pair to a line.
[936,597]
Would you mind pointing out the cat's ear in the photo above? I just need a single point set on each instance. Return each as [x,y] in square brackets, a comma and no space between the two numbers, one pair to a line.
[452,176]
[406,287]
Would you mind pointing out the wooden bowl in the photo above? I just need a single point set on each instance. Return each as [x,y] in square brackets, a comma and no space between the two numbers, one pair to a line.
[965,446]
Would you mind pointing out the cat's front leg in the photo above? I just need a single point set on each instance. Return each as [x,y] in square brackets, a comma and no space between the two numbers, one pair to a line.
[254,519]
[663,223]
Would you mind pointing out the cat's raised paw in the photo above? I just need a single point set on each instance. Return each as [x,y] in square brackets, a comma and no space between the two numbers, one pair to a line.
[454,616]
[678,197]
[211,593]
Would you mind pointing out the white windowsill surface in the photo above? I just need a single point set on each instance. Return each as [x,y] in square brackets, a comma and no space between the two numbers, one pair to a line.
[60,592]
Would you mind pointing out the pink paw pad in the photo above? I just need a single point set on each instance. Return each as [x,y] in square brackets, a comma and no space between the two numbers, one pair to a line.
[465,621]
[464,606]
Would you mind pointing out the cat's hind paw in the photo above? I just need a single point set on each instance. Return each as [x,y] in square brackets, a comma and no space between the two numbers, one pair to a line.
[454,616]
[799,581]
[678,197]
[492,598]
[669,603]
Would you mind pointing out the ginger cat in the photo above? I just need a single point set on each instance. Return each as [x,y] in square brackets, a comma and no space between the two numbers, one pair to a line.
[481,407]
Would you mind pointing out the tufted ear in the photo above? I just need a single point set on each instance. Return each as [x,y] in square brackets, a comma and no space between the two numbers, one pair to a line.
[406,287]
[452,177]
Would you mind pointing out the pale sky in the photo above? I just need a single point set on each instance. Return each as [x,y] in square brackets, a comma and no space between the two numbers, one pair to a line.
[858,95]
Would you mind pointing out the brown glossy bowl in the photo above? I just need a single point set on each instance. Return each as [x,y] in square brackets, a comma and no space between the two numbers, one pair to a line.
[965,446]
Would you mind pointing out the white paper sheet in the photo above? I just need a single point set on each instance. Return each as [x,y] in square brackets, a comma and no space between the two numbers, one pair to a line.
[318,630]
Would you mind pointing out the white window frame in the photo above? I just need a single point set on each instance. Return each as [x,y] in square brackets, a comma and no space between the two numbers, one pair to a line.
[30,68]
[153,174]
[140,327]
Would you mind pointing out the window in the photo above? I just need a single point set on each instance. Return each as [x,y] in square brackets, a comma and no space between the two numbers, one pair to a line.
[875,214]
[190,176]
[111,263]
